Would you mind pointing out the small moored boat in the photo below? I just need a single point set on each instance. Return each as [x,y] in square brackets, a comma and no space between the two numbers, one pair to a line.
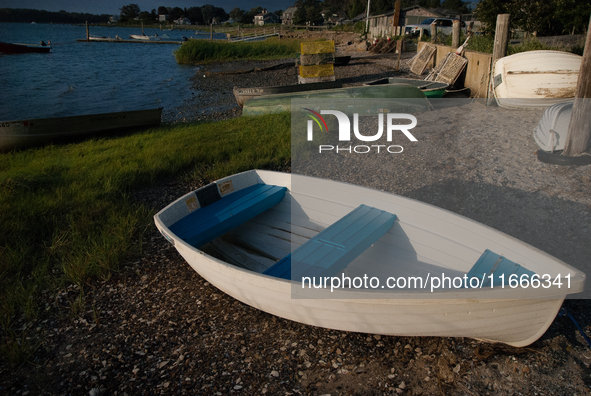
[431,89]
[33,132]
[261,237]
[244,94]
[18,48]
[392,94]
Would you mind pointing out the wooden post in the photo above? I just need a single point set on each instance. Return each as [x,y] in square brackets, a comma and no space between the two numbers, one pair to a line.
[396,20]
[211,31]
[501,36]
[433,33]
[455,38]
[87,32]
[499,49]
[579,129]
[399,50]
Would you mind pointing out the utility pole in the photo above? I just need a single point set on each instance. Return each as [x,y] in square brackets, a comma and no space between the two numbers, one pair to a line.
[367,18]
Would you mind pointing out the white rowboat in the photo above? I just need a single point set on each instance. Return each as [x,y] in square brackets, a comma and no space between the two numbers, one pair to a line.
[535,79]
[405,238]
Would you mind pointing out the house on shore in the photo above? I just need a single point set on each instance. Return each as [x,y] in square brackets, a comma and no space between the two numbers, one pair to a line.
[266,18]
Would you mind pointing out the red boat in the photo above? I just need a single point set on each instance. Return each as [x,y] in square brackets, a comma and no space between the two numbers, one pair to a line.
[10,48]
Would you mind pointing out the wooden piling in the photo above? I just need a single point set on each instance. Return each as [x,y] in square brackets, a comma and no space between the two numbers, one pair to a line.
[433,33]
[399,51]
[456,31]
[501,36]
[578,137]
[499,49]
[87,32]
[211,31]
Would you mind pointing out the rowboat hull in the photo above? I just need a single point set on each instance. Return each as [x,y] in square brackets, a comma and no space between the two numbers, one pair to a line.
[431,89]
[535,79]
[27,133]
[424,238]
[270,104]
[244,94]
[10,48]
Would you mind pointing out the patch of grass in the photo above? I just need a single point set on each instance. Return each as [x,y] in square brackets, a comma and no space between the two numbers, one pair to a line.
[67,216]
[205,51]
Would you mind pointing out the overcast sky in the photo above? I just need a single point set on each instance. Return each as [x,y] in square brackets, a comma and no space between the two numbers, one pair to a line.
[112,6]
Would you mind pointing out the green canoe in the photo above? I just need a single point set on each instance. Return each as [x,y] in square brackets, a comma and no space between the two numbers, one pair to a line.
[431,89]
[393,97]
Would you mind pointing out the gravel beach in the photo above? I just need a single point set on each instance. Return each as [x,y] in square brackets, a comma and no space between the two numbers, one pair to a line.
[158,328]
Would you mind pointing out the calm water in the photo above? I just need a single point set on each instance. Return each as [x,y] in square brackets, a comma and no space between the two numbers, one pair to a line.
[86,78]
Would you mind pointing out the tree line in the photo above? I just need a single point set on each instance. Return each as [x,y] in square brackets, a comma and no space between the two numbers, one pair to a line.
[538,17]
[197,15]
[42,16]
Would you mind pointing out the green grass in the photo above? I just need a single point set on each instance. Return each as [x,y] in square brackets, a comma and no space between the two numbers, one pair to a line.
[205,51]
[67,216]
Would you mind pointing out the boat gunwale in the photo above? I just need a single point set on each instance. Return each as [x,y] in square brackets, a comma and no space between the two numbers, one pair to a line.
[577,278]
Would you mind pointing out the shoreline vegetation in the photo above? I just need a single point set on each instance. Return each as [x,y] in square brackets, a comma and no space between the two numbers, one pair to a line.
[68,217]
[206,51]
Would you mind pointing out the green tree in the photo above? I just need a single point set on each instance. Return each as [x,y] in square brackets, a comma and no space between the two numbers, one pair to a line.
[248,17]
[572,16]
[176,13]
[162,10]
[456,5]
[299,16]
[357,7]
[129,12]
[236,14]
[313,12]
[195,16]
[146,17]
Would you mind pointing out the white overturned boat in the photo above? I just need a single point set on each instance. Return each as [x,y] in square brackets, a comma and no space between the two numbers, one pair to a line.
[535,79]
[257,235]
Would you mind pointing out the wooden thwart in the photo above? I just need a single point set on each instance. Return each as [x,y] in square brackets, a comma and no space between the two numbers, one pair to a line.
[224,214]
[499,267]
[334,248]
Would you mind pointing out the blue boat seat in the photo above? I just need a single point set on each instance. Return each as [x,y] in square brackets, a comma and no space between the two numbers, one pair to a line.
[335,247]
[492,263]
[218,215]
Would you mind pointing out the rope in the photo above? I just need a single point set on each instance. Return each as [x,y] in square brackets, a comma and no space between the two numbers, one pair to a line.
[564,312]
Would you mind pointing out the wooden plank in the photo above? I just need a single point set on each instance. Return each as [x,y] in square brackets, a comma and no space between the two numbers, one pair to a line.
[491,263]
[333,249]
[209,222]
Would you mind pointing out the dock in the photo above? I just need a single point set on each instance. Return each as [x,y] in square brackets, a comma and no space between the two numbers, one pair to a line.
[114,40]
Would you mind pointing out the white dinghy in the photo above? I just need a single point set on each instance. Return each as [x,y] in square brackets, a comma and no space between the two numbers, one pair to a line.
[535,79]
[258,235]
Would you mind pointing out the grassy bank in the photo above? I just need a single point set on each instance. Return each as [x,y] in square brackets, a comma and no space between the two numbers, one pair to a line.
[205,51]
[67,216]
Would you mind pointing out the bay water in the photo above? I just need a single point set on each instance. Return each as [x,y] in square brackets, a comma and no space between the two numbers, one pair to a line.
[78,78]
